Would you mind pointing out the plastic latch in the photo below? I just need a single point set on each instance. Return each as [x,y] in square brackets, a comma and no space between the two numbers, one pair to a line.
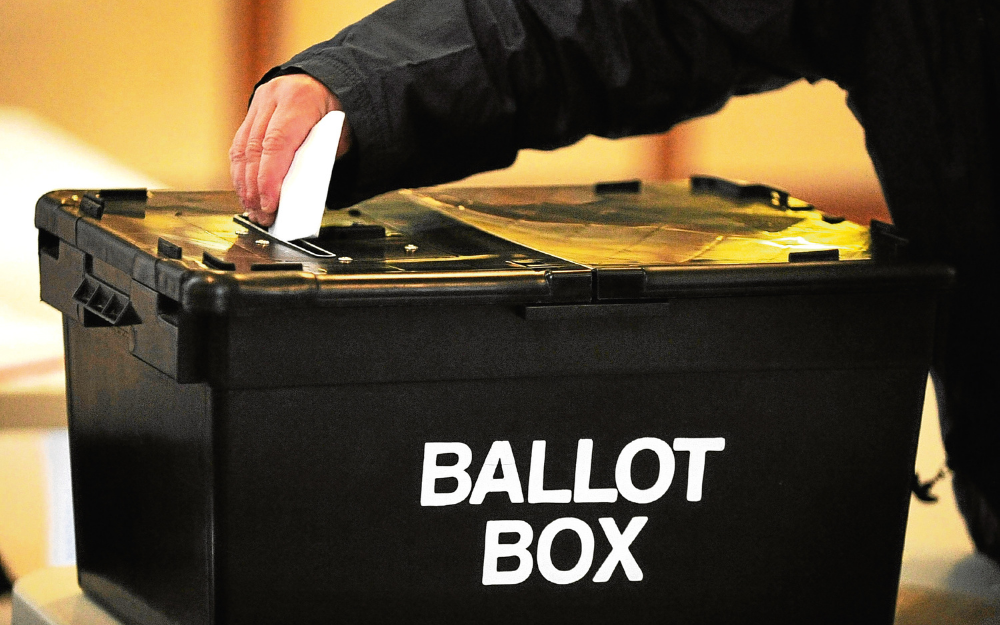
[751,192]
[125,195]
[620,283]
[168,250]
[92,206]
[814,256]
[623,186]
[109,305]
[214,262]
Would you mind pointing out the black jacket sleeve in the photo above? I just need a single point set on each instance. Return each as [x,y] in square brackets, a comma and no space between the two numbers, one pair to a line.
[439,89]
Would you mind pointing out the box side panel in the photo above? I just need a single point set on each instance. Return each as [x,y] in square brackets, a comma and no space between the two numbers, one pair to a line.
[800,517]
[142,480]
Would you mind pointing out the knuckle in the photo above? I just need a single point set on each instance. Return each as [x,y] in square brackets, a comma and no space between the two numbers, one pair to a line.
[237,154]
[252,150]
[275,141]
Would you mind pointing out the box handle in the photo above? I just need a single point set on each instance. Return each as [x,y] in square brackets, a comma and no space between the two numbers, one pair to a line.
[104,305]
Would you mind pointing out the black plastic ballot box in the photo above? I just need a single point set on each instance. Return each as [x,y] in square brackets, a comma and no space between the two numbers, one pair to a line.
[690,402]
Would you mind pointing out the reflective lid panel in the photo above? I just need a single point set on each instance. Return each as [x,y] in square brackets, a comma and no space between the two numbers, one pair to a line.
[653,223]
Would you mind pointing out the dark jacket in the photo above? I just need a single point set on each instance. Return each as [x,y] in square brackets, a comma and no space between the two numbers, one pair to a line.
[439,89]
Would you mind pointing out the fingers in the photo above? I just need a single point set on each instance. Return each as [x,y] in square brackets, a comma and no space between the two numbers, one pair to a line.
[287,129]
[282,113]
[252,153]
[237,155]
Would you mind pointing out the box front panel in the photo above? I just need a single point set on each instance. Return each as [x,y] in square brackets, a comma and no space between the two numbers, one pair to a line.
[777,496]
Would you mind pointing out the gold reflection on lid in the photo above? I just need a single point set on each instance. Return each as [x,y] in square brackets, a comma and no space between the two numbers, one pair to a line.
[666,223]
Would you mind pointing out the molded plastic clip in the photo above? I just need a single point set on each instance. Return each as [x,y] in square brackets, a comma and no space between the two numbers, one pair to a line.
[131,195]
[213,262]
[168,250]
[110,306]
[748,191]
[623,186]
[92,206]
[814,256]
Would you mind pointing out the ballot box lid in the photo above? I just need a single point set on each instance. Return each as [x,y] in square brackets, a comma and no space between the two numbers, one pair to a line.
[524,245]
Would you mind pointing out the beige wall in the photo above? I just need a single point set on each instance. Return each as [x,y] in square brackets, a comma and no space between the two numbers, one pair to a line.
[23,509]
[306,22]
[151,83]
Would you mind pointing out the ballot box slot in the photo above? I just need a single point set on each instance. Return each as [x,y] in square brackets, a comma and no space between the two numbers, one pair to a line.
[304,246]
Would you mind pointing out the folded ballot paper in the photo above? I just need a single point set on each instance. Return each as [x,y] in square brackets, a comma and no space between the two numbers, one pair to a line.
[303,192]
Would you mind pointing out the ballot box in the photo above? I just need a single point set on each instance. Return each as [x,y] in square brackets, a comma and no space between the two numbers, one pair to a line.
[691,402]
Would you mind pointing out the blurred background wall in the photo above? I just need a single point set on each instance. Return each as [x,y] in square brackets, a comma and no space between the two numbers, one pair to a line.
[160,87]
[154,84]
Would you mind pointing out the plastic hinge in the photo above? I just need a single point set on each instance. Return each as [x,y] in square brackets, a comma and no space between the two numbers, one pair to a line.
[620,283]
[109,305]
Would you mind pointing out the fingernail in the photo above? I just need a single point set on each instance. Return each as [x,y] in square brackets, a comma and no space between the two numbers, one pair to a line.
[267,205]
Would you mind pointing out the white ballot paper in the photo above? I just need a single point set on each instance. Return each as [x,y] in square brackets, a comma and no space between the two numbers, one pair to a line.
[303,193]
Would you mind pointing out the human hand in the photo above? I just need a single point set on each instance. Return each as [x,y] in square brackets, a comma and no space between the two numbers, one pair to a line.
[281,114]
